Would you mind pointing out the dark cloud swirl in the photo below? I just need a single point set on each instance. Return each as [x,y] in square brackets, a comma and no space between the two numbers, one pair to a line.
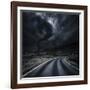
[48,30]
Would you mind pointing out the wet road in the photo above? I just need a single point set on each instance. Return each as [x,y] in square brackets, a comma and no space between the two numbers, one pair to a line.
[55,67]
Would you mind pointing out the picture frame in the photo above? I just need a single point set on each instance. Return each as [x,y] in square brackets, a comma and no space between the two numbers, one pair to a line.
[44,35]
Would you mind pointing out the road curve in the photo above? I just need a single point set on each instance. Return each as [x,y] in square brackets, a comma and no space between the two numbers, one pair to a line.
[55,67]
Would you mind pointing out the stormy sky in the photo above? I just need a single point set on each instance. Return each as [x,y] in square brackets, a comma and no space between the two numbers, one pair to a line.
[48,30]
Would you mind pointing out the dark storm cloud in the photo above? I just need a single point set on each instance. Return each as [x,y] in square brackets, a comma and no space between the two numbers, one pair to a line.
[45,30]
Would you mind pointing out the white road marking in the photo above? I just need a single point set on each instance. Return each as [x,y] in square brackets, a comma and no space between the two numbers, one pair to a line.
[36,67]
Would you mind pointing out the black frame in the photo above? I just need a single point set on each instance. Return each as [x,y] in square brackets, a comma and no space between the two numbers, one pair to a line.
[14,6]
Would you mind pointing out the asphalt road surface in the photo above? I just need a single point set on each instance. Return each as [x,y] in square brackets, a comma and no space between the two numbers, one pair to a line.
[54,67]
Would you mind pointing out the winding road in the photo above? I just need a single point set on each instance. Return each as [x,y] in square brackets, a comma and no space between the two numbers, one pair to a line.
[54,67]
